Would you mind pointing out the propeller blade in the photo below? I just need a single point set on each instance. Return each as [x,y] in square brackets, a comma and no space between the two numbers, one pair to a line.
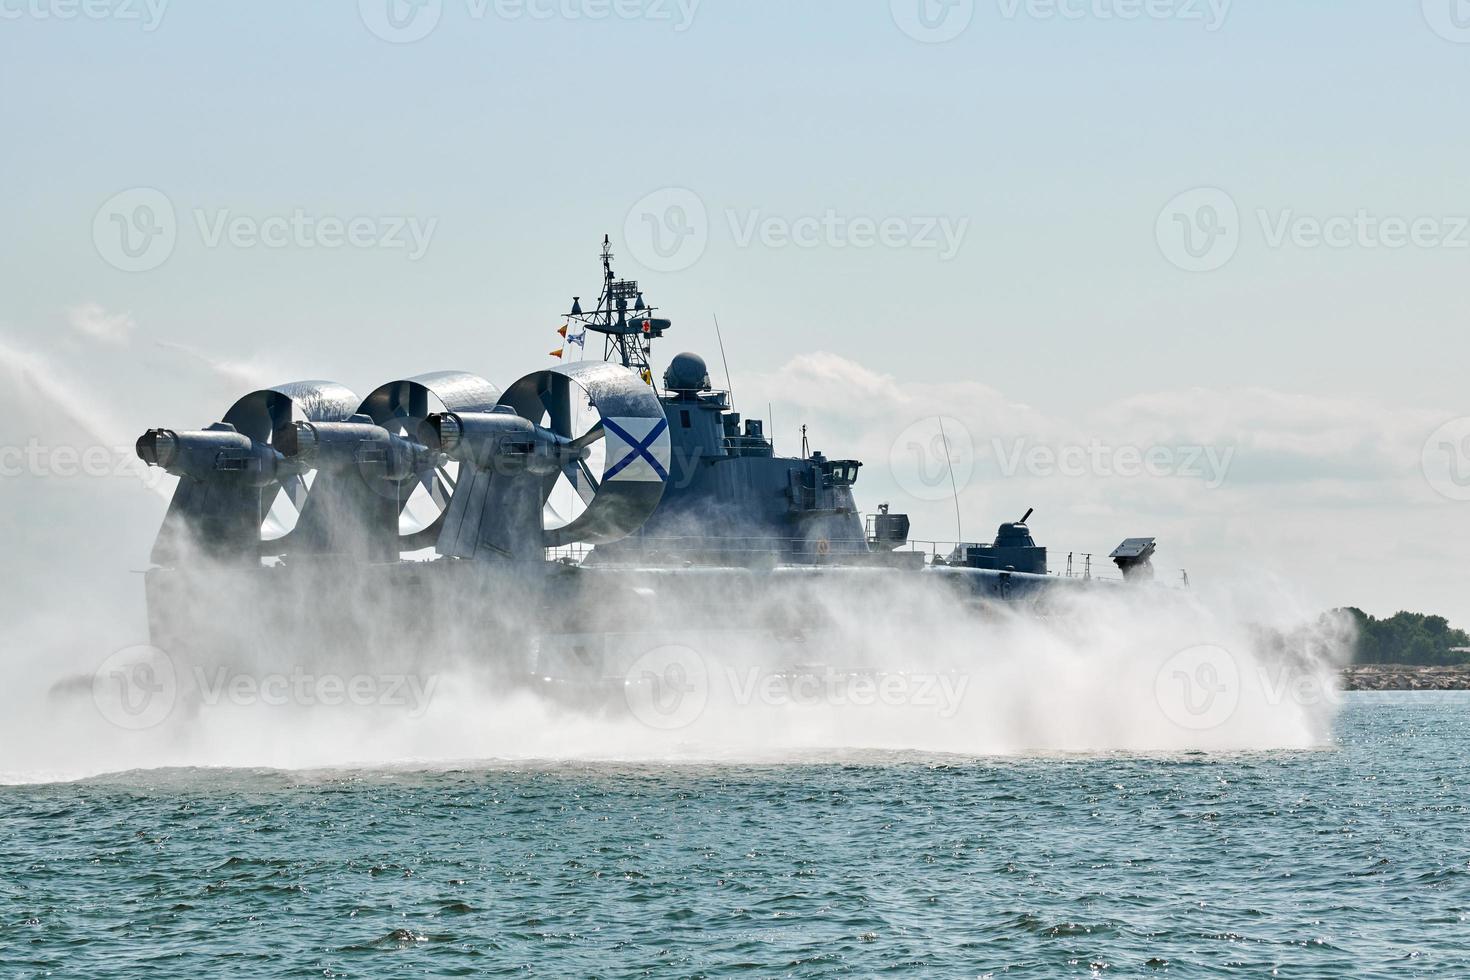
[593,434]
[557,398]
[295,488]
[580,477]
[440,487]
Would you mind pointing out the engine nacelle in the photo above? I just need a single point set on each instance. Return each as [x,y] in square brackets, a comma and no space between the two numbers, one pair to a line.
[502,443]
[205,454]
[374,451]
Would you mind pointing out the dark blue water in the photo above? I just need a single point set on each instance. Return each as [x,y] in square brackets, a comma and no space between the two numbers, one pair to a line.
[1350,861]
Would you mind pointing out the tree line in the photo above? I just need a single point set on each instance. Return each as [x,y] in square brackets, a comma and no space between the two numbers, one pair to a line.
[1409,638]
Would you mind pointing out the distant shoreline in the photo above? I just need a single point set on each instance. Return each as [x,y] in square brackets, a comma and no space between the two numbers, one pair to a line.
[1405,677]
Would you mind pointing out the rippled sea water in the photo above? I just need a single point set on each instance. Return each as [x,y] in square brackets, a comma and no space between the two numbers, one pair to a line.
[1352,861]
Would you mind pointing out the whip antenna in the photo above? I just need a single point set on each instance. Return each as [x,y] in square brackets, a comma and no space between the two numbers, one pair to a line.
[729,382]
[953,486]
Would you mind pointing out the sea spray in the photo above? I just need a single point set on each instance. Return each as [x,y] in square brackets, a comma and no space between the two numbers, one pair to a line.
[1107,671]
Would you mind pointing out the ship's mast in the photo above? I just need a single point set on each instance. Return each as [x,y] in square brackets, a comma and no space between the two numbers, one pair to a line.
[625,320]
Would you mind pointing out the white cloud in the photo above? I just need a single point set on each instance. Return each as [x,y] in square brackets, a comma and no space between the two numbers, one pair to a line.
[93,322]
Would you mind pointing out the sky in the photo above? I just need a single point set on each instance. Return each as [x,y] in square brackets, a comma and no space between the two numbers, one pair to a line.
[1228,239]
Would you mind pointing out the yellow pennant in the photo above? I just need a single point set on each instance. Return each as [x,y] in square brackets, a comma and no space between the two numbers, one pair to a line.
[558,352]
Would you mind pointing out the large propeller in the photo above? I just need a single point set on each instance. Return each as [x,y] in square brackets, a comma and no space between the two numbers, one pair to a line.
[617,467]
[403,408]
[238,498]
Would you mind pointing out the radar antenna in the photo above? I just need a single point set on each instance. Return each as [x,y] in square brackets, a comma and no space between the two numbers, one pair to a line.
[623,318]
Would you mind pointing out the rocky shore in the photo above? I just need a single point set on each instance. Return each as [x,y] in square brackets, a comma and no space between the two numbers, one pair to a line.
[1403,677]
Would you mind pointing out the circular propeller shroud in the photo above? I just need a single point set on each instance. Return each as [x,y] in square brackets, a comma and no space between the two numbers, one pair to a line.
[402,407]
[260,414]
[631,421]
[223,515]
